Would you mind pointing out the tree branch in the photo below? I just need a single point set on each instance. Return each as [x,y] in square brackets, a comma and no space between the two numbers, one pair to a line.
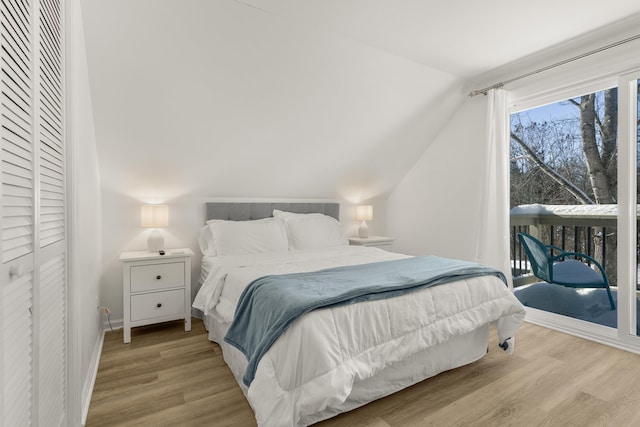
[576,192]
[602,131]
[598,121]
[573,101]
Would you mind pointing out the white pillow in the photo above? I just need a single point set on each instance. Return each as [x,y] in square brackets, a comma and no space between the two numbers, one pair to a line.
[311,231]
[243,237]
[284,215]
[205,241]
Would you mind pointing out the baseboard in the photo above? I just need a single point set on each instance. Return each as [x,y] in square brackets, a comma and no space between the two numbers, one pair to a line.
[582,329]
[115,324]
[90,380]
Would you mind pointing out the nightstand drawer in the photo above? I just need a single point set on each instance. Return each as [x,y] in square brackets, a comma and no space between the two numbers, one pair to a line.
[157,304]
[155,288]
[151,277]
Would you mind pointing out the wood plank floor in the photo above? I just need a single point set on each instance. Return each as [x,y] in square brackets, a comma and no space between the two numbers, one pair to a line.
[168,377]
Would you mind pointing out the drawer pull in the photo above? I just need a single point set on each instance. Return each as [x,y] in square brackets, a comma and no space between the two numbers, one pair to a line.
[159,305]
[158,277]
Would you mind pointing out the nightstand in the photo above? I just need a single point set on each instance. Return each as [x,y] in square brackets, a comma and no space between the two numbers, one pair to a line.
[373,241]
[156,288]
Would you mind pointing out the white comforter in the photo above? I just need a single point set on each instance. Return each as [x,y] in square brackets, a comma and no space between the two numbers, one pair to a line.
[313,365]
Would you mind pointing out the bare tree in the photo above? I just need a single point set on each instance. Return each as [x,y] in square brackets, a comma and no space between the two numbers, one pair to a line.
[550,149]
[599,159]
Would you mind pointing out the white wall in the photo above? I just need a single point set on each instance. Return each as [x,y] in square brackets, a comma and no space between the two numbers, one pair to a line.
[86,214]
[223,100]
[435,209]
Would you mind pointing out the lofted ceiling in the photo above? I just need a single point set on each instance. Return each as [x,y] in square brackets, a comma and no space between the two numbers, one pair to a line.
[461,37]
[292,98]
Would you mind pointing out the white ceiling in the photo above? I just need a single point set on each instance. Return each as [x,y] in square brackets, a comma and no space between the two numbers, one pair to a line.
[293,98]
[462,37]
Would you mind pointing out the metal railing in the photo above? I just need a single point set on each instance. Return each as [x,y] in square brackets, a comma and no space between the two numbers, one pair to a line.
[584,229]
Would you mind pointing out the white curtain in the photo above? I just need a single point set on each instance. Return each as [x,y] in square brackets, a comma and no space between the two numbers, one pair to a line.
[492,246]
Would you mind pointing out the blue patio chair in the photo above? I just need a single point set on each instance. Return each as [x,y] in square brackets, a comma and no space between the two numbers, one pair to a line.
[561,270]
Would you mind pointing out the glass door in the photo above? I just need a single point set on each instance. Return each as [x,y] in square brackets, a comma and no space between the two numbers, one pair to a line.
[564,183]
[575,184]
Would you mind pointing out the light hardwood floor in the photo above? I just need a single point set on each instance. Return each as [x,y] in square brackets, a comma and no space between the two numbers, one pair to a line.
[168,377]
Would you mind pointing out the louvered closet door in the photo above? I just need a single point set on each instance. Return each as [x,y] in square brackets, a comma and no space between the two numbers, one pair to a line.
[51,367]
[18,212]
[18,342]
[32,239]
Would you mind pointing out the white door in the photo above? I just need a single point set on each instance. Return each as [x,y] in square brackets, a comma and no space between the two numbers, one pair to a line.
[32,211]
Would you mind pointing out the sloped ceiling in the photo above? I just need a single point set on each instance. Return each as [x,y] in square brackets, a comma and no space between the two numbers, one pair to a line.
[290,98]
[461,37]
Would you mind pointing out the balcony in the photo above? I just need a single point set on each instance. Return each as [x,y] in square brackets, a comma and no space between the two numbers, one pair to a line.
[589,229]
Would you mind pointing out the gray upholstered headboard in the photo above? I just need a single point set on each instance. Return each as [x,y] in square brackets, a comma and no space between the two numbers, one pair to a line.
[247,211]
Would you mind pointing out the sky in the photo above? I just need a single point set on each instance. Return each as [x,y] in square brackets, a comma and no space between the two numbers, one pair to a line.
[550,111]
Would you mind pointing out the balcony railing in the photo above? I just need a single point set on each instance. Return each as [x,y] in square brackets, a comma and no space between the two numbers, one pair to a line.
[589,229]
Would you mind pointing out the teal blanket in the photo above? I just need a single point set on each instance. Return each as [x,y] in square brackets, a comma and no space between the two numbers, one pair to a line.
[270,304]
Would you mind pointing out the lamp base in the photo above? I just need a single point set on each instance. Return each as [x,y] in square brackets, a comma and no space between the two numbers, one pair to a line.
[155,242]
[363,230]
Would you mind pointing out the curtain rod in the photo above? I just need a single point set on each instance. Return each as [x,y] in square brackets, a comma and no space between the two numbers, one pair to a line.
[549,67]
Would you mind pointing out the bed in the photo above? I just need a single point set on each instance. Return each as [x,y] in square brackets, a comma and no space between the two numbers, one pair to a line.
[343,355]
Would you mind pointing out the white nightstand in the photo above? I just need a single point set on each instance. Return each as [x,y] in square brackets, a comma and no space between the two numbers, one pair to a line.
[373,241]
[156,288]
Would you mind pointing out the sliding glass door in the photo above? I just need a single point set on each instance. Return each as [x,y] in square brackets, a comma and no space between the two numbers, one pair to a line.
[564,194]
[574,185]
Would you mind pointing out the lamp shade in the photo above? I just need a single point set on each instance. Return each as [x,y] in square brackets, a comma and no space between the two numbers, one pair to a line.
[154,216]
[364,213]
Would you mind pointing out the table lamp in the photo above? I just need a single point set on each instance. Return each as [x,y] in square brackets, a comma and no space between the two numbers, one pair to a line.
[155,216]
[364,213]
